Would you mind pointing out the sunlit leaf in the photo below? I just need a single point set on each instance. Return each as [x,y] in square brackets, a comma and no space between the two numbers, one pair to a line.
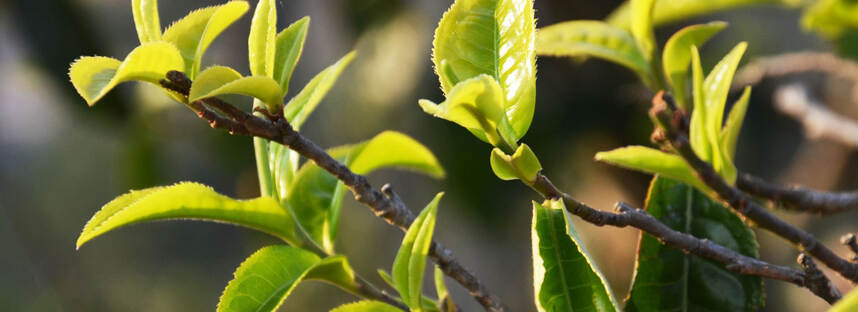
[476,104]
[146,20]
[564,276]
[667,11]
[495,38]
[593,38]
[716,86]
[94,76]
[652,161]
[290,44]
[264,280]
[302,105]
[642,26]
[667,278]
[366,306]
[677,56]
[522,164]
[316,196]
[697,132]
[849,303]
[261,41]
[410,262]
[195,32]
[733,125]
[220,80]
[831,18]
[189,200]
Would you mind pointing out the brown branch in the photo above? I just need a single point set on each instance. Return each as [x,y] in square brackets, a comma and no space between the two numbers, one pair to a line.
[817,121]
[386,205]
[817,280]
[733,261]
[798,198]
[740,201]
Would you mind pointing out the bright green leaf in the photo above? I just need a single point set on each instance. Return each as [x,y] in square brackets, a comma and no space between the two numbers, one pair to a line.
[146,20]
[336,271]
[366,306]
[522,164]
[849,303]
[564,277]
[476,104]
[300,106]
[667,278]
[290,44]
[261,41]
[445,302]
[94,76]
[593,38]
[189,200]
[733,125]
[195,32]
[385,276]
[831,18]
[220,80]
[677,55]
[495,38]
[264,280]
[697,132]
[410,262]
[652,161]
[716,87]
[667,11]
[316,196]
[642,26]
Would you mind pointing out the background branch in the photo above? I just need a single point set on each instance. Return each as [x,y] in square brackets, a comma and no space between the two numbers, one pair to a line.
[818,122]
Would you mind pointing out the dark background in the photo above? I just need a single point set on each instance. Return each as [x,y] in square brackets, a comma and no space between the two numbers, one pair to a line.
[60,160]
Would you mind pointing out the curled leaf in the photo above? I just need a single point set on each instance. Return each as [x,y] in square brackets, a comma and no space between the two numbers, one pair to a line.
[476,104]
[366,306]
[146,20]
[410,262]
[220,80]
[290,44]
[677,55]
[522,164]
[304,103]
[195,32]
[733,125]
[261,41]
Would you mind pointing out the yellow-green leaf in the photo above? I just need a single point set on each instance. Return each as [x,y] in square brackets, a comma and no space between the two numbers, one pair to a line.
[146,20]
[697,132]
[476,104]
[495,38]
[642,26]
[849,303]
[677,56]
[261,42]
[195,32]
[290,44]
[445,302]
[652,161]
[667,11]
[94,76]
[188,200]
[305,102]
[593,38]
[220,80]
[716,86]
[366,306]
[410,262]
[733,125]
[831,18]
[394,149]
[522,164]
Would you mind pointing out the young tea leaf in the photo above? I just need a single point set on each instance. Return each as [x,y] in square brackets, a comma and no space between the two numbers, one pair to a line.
[522,164]
[652,161]
[304,103]
[189,200]
[445,302]
[261,41]
[564,277]
[716,86]
[476,104]
[594,38]
[366,306]
[94,76]
[495,38]
[667,278]
[146,20]
[667,11]
[220,80]
[677,56]
[410,262]
[195,32]
[642,26]
[733,125]
[290,44]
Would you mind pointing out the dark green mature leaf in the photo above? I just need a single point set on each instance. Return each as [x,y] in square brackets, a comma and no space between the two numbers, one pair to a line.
[410,263]
[849,303]
[564,278]
[261,41]
[146,20]
[195,32]
[366,306]
[492,37]
[667,11]
[189,200]
[300,106]
[264,280]
[668,279]
[677,56]
[597,39]
[316,197]
[290,44]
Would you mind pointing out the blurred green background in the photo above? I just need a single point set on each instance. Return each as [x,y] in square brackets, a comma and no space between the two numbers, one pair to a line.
[60,160]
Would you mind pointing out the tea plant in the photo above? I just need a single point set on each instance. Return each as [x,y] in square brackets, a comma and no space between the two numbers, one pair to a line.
[697,250]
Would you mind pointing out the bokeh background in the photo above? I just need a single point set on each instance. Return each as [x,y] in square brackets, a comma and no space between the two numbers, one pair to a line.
[61,160]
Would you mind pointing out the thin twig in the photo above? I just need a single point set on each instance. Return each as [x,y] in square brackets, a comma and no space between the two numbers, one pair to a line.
[798,198]
[386,205]
[818,121]
[740,201]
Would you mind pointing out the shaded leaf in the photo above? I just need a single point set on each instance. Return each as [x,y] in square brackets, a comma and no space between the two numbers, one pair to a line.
[667,278]
[716,86]
[522,164]
[366,306]
[564,277]
[652,161]
[146,20]
[193,34]
[593,38]
[476,104]
[188,200]
[677,55]
[733,125]
[261,41]
[300,106]
[667,11]
[221,80]
[410,263]
[445,302]
[290,44]
[94,76]
[495,38]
